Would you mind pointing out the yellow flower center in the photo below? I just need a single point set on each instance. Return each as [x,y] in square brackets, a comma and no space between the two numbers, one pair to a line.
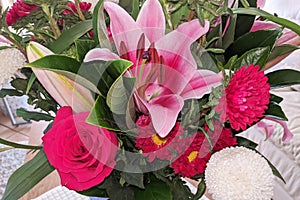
[158,140]
[193,155]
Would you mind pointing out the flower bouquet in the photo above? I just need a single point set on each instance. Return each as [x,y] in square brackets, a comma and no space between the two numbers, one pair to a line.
[142,96]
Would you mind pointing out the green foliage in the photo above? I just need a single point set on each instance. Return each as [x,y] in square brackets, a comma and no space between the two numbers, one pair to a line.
[241,141]
[27,176]
[261,38]
[257,56]
[283,78]
[30,115]
[155,190]
[69,36]
[82,47]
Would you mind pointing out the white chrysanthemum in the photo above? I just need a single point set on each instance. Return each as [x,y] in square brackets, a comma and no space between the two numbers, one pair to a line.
[11,59]
[238,173]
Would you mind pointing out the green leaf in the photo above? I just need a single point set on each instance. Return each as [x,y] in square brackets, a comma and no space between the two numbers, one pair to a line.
[135,8]
[69,36]
[82,47]
[94,192]
[246,142]
[101,115]
[282,78]
[119,95]
[66,66]
[252,40]
[282,50]
[275,111]
[274,169]
[156,190]
[99,26]
[244,22]
[16,145]
[200,191]
[281,21]
[30,82]
[257,56]
[103,74]
[9,92]
[276,99]
[30,115]
[136,179]
[27,176]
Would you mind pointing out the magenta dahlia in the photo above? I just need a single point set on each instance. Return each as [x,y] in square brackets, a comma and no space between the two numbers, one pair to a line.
[246,97]
[19,9]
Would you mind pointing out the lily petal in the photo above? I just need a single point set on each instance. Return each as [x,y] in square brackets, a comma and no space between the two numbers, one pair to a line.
[152,20]
[201,84]
[65,91]
[287,134]
[164,111]
[100,54]
[123,28]
[179,54]
[268,128]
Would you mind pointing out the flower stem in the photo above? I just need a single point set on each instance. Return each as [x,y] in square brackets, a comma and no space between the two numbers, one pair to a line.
[80,14]
[167,13]
[52,22]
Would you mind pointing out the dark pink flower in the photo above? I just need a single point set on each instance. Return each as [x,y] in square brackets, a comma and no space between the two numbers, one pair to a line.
[84,155]
[152,145]
[246,97]
[84,7]
[19,9]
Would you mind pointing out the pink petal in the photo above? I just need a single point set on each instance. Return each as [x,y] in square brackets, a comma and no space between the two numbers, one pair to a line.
[201,84]
[152,20]
[178,55]
[287,134]
[262,25]
[123,28]
[100,54]
[261,3]
[268,128]
[164,111]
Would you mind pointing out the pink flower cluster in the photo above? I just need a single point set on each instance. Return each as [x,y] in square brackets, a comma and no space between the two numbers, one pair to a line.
[18,10]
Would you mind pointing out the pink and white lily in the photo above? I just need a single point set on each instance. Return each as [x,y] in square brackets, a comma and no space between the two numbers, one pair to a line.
[165,70]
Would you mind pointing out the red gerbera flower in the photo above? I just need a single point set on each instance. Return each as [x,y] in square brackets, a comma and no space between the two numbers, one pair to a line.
[152,145]
[19,9]
[194,159]
[246,97]
[221,137]
[84,7]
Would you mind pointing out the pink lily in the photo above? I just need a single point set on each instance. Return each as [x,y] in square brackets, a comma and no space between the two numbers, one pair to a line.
[165,70]
[65,91]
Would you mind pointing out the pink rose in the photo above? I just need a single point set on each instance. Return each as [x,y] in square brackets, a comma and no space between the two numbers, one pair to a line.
[83,154]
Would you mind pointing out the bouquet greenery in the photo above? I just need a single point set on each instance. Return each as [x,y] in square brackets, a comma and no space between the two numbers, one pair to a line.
[141,95]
